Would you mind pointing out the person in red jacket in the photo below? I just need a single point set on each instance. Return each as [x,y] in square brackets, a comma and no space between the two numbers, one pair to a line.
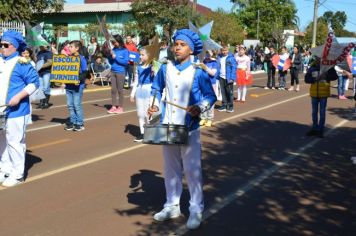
[131,46]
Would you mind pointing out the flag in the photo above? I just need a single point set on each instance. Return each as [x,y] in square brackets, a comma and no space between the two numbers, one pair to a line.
[281,63]
[204,34]
[34,35]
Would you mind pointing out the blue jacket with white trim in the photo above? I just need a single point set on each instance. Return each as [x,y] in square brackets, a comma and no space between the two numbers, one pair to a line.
[21,76]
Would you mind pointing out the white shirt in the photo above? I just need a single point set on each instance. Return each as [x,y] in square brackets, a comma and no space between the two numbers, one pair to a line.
[223,67]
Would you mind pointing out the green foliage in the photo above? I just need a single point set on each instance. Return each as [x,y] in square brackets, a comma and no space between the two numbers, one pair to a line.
[322,32]
[171,14]
[130,28]
[226,28]
[274,17]
[337,21]
[26,10]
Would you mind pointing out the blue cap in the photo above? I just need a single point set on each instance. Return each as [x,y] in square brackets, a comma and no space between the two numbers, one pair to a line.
[15,38]
[191,38]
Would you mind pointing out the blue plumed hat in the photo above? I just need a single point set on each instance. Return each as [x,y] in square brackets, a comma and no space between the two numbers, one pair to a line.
[191,38]
[15,38]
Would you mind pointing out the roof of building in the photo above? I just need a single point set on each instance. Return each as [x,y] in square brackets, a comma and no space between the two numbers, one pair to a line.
[97,7]
[124,6]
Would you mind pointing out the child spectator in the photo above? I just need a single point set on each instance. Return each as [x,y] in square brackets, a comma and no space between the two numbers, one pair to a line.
[74,92]
[227,76]
[244,77]
[282,71]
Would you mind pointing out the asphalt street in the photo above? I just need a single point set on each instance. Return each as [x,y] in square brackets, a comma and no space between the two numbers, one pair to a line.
[262,175]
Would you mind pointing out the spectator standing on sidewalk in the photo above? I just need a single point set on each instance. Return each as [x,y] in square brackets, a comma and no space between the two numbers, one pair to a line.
[243,75]
[43,65]
[271,69]
[118,60]
[227,77]
[296,67]
[131,46]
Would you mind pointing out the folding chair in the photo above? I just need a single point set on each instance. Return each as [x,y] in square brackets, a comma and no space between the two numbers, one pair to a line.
[98,76]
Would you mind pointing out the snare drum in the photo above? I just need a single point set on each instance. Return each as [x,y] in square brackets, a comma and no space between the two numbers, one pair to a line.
[166,134]
[2,120]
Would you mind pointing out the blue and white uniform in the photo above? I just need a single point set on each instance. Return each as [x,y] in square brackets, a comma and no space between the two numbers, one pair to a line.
[19,77]
[141,90]
[185,85]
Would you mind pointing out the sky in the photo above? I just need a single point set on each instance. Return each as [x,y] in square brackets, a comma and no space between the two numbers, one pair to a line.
[305,9]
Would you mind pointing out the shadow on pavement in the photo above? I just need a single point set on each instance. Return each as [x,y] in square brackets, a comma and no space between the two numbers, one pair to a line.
[30,161]
[134,130]
[313,195]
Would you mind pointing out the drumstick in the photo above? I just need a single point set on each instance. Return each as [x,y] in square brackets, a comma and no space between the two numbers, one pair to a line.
[170,103]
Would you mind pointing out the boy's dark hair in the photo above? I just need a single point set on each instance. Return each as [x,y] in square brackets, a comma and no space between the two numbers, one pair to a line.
[76,43]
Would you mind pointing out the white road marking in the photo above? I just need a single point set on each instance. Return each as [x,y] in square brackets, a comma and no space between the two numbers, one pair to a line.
[256,181]
[88,119]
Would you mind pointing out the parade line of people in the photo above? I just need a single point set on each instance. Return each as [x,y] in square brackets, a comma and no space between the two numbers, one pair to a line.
[180,83]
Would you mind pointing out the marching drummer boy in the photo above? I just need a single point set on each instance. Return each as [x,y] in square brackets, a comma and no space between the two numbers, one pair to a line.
[18,80]
[190,87]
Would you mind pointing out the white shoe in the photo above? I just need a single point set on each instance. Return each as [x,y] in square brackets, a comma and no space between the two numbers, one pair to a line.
[167,213]
[194,220]
[3,176]
[10,182]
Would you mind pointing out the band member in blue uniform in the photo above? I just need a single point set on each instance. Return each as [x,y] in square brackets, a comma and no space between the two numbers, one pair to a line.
[18,80]
[188,86]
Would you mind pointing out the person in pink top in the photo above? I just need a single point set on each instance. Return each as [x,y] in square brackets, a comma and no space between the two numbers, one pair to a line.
[131,46]
[243,73]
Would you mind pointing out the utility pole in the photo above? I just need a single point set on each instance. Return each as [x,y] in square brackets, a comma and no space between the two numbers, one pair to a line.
[315,22]
[258,22]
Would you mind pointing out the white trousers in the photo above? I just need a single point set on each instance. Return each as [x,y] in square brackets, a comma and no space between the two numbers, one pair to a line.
[179,160]
[143,94]
[13,147]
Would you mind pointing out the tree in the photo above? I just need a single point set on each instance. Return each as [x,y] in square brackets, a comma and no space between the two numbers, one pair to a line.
[27,10]
[337,21]
[170,14]
[226,28]
[274,17]
[322,32]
